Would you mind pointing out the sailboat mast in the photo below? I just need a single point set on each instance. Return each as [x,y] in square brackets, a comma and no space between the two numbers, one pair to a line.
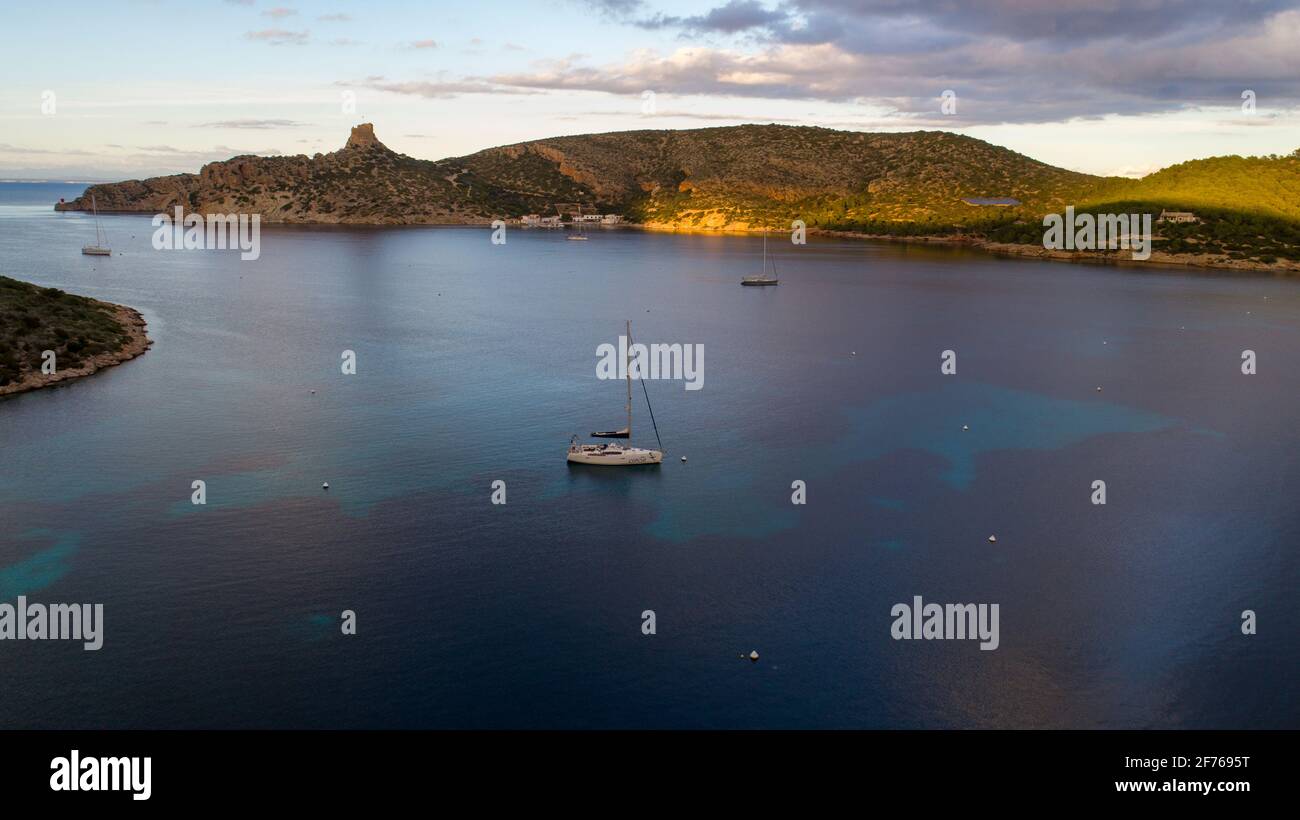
[99,241]
[628,365]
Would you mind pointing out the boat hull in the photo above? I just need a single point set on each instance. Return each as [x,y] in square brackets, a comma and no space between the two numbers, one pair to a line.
[613,456]
[752,283]
[89,251]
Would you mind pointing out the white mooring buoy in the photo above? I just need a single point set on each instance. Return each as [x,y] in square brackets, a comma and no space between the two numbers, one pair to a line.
[325,486]
[683,459]
[753,654]
[993,539]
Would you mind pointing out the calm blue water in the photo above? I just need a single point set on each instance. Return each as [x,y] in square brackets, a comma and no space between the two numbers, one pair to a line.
[477,362]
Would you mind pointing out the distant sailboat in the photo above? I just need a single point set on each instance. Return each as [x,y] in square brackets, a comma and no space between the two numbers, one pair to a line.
[100,247]
[762,278]
[618,454]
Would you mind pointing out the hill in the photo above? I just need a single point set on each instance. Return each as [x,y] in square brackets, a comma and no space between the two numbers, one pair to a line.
[737,177]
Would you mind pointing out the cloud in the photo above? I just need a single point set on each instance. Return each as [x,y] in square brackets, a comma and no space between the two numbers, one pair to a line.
[280,12]
[1026,76]
[424,44]
[437,89]
[335,18]
[617,8]
[253,124]
[735,16]
[6,148]
[863,22]
[278,36]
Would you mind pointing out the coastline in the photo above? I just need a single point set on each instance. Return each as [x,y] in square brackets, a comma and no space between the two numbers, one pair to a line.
[1158,258]
[1187,260]
[137,343]
[1283,267]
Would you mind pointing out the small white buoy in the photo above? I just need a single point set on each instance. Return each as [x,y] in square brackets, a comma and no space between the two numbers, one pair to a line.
[683,459]
[753,654]
[1098,389]
[965,427]
[854,353]
[993,539]
[325,486]
[313,392]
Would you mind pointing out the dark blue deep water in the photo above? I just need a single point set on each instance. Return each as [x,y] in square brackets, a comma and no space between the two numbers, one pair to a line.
[477,362]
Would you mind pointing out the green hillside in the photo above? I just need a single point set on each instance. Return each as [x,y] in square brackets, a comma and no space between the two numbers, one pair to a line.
[34,319]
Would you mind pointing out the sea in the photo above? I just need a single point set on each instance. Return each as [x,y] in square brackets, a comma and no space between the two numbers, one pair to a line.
[403,597]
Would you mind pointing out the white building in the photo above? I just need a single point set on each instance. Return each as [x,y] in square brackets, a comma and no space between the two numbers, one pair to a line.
[531,219]
[1177,216]
[611,219]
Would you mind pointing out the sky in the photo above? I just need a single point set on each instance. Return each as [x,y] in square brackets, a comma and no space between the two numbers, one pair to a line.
[133,88]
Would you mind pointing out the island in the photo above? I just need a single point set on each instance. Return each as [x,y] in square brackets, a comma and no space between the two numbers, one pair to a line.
[921,186]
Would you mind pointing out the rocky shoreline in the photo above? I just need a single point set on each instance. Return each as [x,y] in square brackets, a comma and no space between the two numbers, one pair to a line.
[1158,258]
[1190,260]
[137,343]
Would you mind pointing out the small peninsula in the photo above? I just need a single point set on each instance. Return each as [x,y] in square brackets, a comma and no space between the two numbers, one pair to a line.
[85,335]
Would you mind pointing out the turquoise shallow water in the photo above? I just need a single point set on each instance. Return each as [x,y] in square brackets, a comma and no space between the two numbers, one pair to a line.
[477,362]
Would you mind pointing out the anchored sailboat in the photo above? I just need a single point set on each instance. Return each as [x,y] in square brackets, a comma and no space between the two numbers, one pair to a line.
[615,454]
[100,247]
[762,278]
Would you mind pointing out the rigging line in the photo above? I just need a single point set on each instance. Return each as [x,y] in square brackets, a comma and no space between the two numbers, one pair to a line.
[652,413]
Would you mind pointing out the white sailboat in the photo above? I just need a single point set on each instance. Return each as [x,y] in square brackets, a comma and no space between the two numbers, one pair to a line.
[762,278]
[615,454]
[99,248]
